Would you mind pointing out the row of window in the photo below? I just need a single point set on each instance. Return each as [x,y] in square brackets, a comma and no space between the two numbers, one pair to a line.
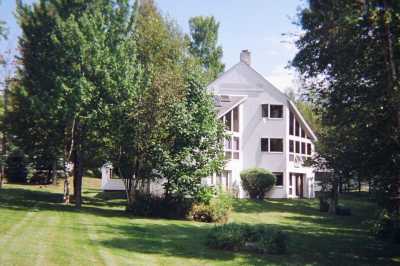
[271,111]
[231,147]
[300,147]
[295,129]
[271,145]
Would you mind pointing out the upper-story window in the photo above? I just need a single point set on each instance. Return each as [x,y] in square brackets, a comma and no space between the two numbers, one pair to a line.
[297,128]
[264,111]
[291,124]
[276,111]
[236,119]
[276,145]
[271,145]
[264,144]
[231,120]
[271,111]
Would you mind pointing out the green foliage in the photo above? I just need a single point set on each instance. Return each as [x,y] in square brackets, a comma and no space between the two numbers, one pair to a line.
[385,226]
[205,194]
[256,238]
[16,168]
[148,205]
[257,182]
[348,57]
[217,210]
[203,44]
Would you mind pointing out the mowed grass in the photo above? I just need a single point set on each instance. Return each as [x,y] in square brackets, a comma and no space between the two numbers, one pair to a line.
[36,229]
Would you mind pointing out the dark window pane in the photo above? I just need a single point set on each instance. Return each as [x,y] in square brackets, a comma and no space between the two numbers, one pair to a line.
[228,121]
[235,155]
[276,145]
[276,111]
[297,128]
[236,143]
[303,133]
[264,110]
[279,179]
[297,147]
[236,119]
[228,155]
[291,146]
[303,148]
[228,143]
[308,148]
[291,124]
[290,180]
[264,144]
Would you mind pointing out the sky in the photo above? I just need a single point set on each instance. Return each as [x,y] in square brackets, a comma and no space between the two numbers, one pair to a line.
[265,27]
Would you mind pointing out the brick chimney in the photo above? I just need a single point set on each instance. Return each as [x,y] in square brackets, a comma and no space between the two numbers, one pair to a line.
[245,57]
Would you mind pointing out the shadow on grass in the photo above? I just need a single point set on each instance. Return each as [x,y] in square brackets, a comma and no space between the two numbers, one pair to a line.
[24,199]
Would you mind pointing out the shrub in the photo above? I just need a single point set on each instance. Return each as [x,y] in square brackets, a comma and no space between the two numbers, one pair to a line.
[343,211]
[257,182]
[217,210]
[16,169]
[386,227]
[323,204]
[205,194]
[148,205]
[254,238]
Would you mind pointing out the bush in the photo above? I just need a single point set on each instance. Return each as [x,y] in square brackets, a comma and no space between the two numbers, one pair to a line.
[148,205]
[257,182]
[16,168]
[387,227]
[217,210]
[323,204]
[254,238]
[343,211]
[205,194]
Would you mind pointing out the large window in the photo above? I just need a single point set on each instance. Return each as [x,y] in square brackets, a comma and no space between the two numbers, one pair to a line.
[309,149]
[303,148]
[232,147]
[291,124]
[297,128]
[276,111]
[297,147]
[264,144]
[276,145]
[236,119]
[228,121]
[291,146]
[279,178]
[264,110]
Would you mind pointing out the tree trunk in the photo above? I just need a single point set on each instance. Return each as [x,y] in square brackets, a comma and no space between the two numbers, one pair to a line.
[78,166]
[333,200]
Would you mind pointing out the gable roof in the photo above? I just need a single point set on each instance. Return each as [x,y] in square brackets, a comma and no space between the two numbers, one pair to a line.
[260,80]
[225,103]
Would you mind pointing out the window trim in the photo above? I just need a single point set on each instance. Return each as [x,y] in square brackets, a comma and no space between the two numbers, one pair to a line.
[283,179]
[283,145]
[261,139]
[276,118]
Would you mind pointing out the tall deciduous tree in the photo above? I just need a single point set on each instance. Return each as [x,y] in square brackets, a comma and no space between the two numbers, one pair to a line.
[203,43]
[68,61]
[349,55]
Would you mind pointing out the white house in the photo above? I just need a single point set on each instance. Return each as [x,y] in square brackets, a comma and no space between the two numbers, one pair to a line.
[266,130]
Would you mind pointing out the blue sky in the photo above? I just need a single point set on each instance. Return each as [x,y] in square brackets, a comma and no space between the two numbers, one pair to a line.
[256,25]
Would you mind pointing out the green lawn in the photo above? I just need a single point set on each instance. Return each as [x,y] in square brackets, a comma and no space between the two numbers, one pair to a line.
[36,229]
